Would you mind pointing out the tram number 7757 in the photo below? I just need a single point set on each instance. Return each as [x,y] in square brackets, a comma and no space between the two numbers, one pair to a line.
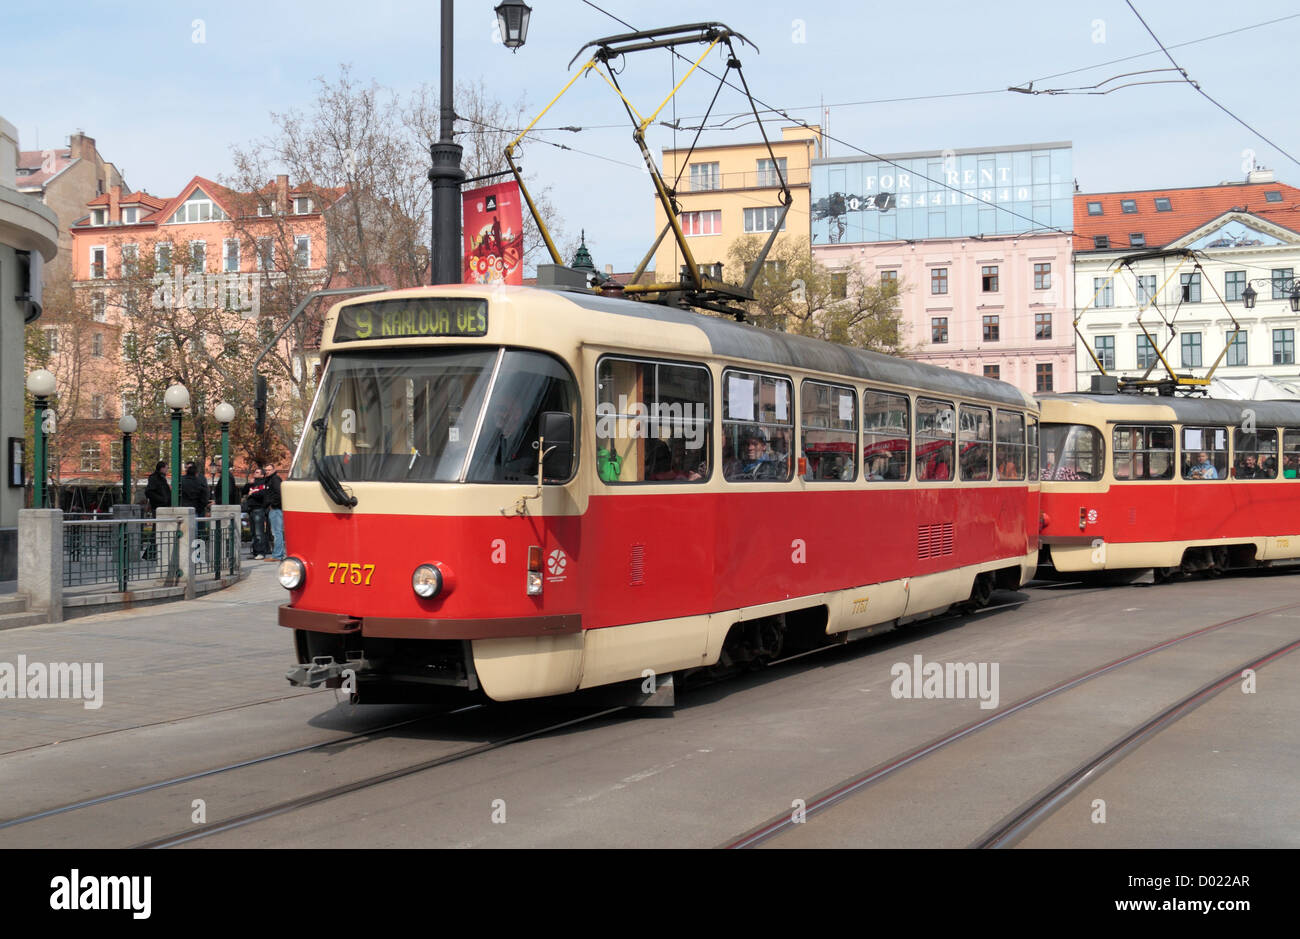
[351,573]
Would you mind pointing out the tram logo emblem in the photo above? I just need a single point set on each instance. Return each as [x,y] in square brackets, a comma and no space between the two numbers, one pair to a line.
[556,562]
[1092,516]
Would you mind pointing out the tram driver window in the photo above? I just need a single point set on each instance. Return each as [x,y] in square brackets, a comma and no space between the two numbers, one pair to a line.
[936,429]
[829,417]
[1205,453]
[1072,452]
[886,437]
[653,421]
[757,427]
[976,443]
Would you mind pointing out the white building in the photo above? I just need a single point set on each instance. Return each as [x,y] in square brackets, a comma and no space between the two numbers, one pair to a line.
[1242,234]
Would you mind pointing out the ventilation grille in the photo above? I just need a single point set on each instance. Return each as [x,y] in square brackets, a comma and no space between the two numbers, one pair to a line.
[636,566]
[1132,516]
[934,541]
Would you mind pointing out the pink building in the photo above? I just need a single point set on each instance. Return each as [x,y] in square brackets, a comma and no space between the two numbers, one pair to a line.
[990,305]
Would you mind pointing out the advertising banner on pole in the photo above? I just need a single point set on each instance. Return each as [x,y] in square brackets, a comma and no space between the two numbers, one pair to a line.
[494,235]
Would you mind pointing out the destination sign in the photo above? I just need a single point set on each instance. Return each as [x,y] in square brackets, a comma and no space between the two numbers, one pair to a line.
[412,318]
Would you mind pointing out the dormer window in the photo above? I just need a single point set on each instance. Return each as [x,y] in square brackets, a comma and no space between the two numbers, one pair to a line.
[302,205]
[1094,208]
[1128,206]
[1273,195]
[1137,239]
[1163,205]
[266,210]
[198,208]
[1101,241]
[98,216]
[129,216]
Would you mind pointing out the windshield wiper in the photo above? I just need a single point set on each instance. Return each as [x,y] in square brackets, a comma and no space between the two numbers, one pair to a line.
[328,481]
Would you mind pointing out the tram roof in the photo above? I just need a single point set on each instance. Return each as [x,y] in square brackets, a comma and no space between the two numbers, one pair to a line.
[1192,410]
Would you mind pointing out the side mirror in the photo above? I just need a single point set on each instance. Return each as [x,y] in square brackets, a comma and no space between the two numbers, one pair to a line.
[556,430]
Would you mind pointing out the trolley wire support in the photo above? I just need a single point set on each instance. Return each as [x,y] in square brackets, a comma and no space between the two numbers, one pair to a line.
[1173,382]
[694,288]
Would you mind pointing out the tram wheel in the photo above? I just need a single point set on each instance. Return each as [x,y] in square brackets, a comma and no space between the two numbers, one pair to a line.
[981,592]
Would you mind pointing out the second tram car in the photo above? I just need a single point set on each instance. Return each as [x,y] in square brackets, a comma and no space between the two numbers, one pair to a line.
[1175,484]
[706,489]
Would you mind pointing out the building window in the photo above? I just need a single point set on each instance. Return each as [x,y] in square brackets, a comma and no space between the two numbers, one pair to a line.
[757,220]
[90,456]
[130,348]
[129,216]
[1137,240]
[1094,208]
[1234,285]
[302,205]
[1101,241]
[1284,347]
[889,277]
[97,345]
[1236,342]
[1105,346]
[199,255]
[989,279]
[1281,276]
[115,456]
[1104,292]
[265,254]
[1128,206]
[265,209]
[938,329]
[162,256]
[130,259]
[99,308]
[302,250]
[97,407]
[1191,343]
[767,172]
[1146,353]
[1042,276]
[198,208]
[939,280]
[1273,195]
[98,216]
[97,256]
[1043,376]
[1191,287]
[1163,205]
[705,177]
[702,223]
[1042,325]
[839,285]
[51,341]
[990,329]
[232,255]
[993,371]
[1146,289]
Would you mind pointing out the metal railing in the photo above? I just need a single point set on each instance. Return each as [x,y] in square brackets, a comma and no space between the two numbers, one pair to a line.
[219,546]
[121,552]
[720,182]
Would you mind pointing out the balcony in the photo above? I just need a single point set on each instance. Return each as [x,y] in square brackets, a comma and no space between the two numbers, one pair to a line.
[722,182]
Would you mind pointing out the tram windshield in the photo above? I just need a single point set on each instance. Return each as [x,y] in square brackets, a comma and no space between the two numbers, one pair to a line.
[413,416]
[1072,452]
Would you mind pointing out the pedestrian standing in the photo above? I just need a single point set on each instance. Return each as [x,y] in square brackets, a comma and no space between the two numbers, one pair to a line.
[157,492]
[255,500]
[194,490]
[274,511]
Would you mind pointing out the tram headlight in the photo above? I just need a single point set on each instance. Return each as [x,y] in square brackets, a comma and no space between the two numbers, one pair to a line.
[292,573]
[427,581]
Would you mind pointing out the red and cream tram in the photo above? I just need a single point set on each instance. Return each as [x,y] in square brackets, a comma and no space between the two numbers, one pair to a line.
[1169,483]
[698,500]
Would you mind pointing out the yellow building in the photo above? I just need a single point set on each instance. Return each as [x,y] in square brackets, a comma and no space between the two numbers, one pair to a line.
[729,191]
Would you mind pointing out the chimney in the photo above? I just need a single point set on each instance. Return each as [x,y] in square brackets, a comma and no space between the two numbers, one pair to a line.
[609,269]
[282,193]
[82,147]
[1260,175]
[114,202]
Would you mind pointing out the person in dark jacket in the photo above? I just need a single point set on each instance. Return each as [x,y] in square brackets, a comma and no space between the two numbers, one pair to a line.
[274,511]
[255,500]
[233,498]
[194,490]
[157,492]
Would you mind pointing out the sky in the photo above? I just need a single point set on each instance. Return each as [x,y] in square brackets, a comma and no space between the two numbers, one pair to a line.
[166,88]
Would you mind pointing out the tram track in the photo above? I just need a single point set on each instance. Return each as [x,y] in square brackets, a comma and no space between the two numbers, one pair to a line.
[1019,823]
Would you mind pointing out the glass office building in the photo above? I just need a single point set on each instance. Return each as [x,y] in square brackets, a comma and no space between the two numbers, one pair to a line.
[942,194]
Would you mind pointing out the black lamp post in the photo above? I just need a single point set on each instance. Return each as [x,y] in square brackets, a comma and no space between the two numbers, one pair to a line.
[1289,287]
[445,174]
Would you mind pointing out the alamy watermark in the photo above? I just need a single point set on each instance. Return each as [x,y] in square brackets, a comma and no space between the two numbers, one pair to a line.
[82,681]
[636,419]
[241,293]
[950,680]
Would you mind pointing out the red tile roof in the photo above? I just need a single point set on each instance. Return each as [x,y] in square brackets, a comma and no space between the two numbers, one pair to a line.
[1189,210]
[35,160]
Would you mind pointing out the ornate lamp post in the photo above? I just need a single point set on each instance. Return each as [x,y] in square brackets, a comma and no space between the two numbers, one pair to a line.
[1291,288]
[41,384]
[513,16]
[177,397]
[127,426]
[225,413]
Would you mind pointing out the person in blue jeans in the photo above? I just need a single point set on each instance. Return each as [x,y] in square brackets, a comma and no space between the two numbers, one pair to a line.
[274,511]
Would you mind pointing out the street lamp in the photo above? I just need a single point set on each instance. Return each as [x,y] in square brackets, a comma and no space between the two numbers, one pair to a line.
[445,174]
[225,414]
[1289,287]
[177,397]
[41,384]
[513,17]
[127,426]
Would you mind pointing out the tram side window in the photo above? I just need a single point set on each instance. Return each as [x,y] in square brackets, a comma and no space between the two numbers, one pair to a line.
[936,428]
[527,385]
[1072,452]
[1255,454]
[653,421]
[976,442]
[1010,454]
[1205,453]
[886,441]
[1290,453]
[829,419]
[1144,452]
[1032,456]
[757,427]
